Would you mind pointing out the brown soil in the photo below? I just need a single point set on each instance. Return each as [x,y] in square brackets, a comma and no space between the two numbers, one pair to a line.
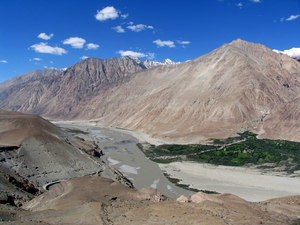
[97,200]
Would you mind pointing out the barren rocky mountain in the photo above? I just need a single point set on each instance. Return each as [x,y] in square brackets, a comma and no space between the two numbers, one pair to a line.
[239,86]
[78,84]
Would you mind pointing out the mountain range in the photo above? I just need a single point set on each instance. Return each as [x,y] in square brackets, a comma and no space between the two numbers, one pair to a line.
[239,86]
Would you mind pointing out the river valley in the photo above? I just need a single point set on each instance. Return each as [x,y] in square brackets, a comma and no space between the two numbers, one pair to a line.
[120,151]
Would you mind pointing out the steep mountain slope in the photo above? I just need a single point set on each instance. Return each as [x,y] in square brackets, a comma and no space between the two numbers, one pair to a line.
[27,77]
[239,86]
[286,123]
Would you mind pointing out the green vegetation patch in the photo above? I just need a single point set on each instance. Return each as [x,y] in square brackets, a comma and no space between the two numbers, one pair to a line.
[243,150]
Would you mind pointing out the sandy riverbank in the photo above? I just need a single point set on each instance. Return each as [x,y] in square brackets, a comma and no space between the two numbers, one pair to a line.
[248,184]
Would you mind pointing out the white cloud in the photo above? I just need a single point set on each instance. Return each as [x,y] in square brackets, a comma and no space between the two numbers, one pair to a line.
[92,46]
[149,55]
[83,57]
[75,42]
[37,59]
[256,1]
[45,36]
[46,67]
[240,5]
[3,61]
[132,53]
[184,42]
[45,48]
[293,17]
[139,27]
[282,19]
[130,23]
[119,29]
[160,43]
[124,16]
[108,12]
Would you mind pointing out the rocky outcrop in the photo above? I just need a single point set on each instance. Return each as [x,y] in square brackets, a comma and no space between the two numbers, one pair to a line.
[14,188]
[151,194]
[198,198]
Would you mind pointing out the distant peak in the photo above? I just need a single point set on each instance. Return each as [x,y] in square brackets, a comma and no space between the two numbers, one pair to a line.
[239,42]
[250,47]
[135,59]
[132,57]
[58,69]
[148,63]
[167,61]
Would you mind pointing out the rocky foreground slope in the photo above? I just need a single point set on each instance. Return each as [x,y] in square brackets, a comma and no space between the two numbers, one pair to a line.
[97,200]
[239,86]
[35,153]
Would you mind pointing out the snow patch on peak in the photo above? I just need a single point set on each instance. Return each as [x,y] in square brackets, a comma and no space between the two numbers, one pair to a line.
[148,63]
[293,52]
[56,69]
[168,61]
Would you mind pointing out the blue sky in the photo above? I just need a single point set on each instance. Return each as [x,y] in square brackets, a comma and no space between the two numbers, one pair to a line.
[38,34]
